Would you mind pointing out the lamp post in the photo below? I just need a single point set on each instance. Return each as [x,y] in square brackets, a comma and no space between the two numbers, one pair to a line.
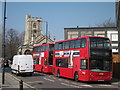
[46,30]
[118,22]
[3,70]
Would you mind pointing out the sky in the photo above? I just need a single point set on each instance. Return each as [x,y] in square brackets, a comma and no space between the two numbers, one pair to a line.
[59,15]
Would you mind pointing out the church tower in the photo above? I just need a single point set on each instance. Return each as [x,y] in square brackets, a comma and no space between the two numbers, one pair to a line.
[33,35]
[33,29]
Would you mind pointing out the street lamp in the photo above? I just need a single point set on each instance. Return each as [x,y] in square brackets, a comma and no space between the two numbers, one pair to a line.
[46,29]
[118,25]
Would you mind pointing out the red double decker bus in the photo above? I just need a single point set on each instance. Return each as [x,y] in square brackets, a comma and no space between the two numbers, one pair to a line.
[86,58]
[43,57]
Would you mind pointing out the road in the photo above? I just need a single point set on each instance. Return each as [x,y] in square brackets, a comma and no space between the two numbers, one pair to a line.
[41,80]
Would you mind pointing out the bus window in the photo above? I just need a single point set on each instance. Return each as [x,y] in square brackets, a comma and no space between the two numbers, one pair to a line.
[43,48]
[83,64]
[56,46]
[62,63]
[83,43]
[77,43]
[60,46]
[35,49]
[100,65]
[80,43]
[99,42]
[36,61]
[106,43]
[66,45]
[72,44]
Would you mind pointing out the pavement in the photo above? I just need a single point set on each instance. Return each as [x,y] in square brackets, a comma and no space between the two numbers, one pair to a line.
[11,82]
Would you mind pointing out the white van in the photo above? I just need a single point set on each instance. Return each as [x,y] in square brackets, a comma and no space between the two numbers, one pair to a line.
[22,64]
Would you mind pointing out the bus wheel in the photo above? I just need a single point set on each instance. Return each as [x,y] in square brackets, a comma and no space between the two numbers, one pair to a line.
[76,77]
[58,73]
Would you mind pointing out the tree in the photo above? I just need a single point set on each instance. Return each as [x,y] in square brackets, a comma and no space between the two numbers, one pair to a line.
[12,42]
[107,23]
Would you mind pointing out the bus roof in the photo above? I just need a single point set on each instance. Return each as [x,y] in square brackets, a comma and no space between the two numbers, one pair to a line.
[80,38]
[43,44]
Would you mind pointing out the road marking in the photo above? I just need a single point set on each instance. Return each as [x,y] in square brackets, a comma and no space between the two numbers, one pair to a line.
[66,81]
[35,82]
[106,85]
[49,79]
[53,77]
[49,76]
[70,85]
[87,85]
[75,83]
[60,79]
[115,83]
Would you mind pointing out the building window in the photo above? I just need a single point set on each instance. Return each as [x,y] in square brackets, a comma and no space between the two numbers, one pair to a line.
[99,33]
[86,33]
[114,36]
[35,31]
[72,35]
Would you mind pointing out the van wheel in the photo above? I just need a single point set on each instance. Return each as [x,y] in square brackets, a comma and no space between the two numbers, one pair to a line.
[17,73]
[58,73]
[76,77]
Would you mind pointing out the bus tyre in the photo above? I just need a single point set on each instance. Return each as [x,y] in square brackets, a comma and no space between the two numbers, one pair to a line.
[58,73]
[76,77]
[17,73]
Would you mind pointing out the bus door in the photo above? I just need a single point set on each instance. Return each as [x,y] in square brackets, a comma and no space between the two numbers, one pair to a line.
[50,58]
[64,67]
[84,69]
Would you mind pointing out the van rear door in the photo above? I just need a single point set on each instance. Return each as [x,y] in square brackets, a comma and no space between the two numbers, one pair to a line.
[26,64]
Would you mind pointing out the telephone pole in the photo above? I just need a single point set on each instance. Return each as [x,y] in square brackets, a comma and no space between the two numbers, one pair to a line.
[118,25]
[3,70]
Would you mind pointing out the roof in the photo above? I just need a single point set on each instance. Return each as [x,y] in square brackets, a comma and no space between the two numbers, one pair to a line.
[79,38]
[92,28]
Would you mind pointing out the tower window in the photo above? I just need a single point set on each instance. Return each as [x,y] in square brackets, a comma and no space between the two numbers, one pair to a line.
[35,31]
[34,25]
